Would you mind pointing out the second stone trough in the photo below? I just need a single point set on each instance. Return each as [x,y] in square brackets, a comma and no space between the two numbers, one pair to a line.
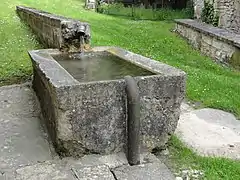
[84,102]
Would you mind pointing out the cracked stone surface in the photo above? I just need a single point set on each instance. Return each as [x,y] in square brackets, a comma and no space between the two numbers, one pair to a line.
[22,139]
[25,153]
[153,171]
[77,114]
[57,170]
[210,132]
[112,160]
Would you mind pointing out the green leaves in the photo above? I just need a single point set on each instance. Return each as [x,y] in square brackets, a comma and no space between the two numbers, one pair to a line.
[138,13]
[209,15]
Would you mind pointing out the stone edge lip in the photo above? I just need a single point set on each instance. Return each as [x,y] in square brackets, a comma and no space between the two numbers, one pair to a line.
[56,31]
[46,14]
[60,77]
[219,33]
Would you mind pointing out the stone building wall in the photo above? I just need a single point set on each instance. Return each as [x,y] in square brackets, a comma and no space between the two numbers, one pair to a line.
[228,11]
[198,6]
[236,19]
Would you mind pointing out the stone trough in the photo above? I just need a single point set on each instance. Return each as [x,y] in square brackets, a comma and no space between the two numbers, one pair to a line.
[86,113]
[83,94]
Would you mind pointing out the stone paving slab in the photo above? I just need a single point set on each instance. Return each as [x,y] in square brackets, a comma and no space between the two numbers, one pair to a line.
[149,171]
[108,167]
[112,160]
[57,170]
[210,132]
[22,139]
[94,172]
[46,170]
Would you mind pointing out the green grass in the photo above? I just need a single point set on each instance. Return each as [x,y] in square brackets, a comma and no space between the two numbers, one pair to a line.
[15,40]
[214,168]
[207,82]
[144,14]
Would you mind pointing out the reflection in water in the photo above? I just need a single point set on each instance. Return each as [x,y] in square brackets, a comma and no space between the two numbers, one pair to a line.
[98,66]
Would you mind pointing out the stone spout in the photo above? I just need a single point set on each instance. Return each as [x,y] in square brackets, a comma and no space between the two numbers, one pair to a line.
[54,31]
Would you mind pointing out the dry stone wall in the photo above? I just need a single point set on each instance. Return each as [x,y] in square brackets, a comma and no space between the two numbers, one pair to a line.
[219,44]
[56,31]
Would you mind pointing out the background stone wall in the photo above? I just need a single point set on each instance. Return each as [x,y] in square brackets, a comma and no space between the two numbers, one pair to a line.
[228,11]
[56,31]
[198,6]
[236,19]
[214,42]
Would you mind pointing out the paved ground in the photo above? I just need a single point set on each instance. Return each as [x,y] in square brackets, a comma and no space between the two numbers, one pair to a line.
[26,154]
[210,132]
[22,139]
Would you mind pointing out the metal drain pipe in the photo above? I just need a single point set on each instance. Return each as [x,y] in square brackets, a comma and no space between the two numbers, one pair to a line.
[133,121]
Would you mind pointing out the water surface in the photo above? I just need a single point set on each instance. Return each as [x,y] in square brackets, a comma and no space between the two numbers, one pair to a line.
[98,66]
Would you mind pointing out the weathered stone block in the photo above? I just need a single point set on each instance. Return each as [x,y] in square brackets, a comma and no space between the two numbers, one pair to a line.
[207,39]
[206,49]
[235,59]
[91,117]
[153,171]
[217,44]
[90,4]
[57,170]
[195,38]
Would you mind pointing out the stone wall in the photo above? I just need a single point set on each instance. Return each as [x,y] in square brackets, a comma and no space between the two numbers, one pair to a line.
[91,117]
[228,11]
[56,31]
[198,6]
[235,26]
[216,43]
[90,4]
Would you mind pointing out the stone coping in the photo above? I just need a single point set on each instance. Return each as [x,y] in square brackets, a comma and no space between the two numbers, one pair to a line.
[219,33]
[60,77]
[44,13]
[56,31]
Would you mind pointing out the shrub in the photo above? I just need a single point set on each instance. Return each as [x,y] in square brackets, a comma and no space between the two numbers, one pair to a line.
[148,14]
[208,14]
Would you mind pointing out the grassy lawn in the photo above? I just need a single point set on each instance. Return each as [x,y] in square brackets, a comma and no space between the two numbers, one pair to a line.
[208,83]
[14,41]
[181,157]
[142,13]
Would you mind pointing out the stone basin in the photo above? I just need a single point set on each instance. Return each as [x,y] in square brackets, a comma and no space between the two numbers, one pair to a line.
[83,98]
